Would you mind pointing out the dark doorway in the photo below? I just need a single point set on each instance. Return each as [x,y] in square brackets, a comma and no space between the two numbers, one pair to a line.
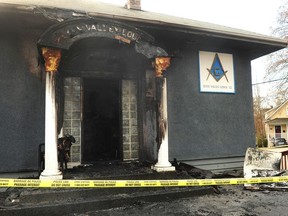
[101,115]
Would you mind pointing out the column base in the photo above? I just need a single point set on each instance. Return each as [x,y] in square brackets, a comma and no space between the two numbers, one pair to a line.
[51,175]
[163,168]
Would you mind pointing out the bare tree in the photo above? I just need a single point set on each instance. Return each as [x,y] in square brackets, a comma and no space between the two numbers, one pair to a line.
[259,119]
[278,67]
[277,74]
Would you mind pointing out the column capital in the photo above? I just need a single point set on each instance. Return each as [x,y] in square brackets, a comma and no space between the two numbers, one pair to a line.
[52,57]
[160,64]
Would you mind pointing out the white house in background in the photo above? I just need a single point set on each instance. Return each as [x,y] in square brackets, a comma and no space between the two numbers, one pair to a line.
[276,122]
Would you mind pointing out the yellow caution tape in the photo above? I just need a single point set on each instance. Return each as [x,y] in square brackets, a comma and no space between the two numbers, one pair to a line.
[39,183]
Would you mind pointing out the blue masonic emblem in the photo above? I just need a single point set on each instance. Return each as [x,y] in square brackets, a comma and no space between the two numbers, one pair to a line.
[216,70]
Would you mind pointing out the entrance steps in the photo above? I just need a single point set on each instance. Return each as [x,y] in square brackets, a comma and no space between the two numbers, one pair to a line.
[67,201]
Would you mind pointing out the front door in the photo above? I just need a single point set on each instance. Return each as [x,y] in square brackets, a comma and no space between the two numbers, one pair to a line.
[278,131]
[101,125]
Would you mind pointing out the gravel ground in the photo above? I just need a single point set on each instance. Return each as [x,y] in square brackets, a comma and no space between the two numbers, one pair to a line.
[232,201]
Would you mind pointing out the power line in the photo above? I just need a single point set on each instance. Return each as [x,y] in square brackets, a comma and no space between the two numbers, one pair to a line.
[267,81]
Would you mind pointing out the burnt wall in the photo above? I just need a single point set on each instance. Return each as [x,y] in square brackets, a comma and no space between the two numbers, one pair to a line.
[208,125]
[22,99]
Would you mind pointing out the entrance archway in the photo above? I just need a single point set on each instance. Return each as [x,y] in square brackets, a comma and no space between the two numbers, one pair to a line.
[62,37]
[65,34]
[94,69]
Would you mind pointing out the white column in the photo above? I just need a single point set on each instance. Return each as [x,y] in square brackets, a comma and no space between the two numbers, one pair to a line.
[269,143]
[286,132]
[51,170]
[163,163]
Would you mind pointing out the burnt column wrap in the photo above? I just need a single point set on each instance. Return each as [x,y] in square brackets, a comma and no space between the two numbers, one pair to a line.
[52,59]
[163,164]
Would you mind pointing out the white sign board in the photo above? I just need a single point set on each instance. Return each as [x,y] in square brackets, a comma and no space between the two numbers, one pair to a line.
[216,72]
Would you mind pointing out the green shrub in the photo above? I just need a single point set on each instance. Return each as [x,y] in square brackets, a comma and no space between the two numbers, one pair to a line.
[262,142]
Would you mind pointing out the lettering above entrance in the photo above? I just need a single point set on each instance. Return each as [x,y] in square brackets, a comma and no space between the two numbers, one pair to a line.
[64,34]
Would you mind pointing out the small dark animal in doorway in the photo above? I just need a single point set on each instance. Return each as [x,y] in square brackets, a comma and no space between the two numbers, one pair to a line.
[64,145]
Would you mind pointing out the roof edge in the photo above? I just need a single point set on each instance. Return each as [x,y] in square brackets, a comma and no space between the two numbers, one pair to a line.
[275,110]
[100,9]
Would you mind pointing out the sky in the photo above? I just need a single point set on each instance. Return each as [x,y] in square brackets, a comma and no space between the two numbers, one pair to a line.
[252,15]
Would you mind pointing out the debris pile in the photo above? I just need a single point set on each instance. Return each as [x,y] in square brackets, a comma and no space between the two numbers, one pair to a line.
[264,163]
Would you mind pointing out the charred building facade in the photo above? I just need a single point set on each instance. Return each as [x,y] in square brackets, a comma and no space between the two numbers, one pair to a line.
[127,84]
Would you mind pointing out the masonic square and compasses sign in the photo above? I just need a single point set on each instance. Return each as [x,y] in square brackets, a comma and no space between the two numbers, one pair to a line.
[216,72]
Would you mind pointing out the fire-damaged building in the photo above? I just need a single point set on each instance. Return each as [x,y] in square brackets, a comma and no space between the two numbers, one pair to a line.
[127,84]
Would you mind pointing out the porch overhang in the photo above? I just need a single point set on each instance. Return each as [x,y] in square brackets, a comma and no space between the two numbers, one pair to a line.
[277,121]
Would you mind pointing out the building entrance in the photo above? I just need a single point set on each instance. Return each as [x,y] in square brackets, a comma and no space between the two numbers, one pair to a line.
[101,120]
